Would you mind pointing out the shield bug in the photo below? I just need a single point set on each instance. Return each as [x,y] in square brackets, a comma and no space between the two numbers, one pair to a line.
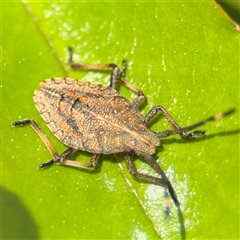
[97,119]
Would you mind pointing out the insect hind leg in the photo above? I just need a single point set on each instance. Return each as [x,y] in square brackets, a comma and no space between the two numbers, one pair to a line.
[115,69]
[116,74]
[37,129]
[58,158]
[93,162]
[63,160]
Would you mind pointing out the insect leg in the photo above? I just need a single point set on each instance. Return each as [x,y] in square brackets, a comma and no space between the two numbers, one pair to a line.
[37,129]
[164,182]
[93,162]
[115,70]
[176,127]
[183,131]
[115,76]
[57,158]
[140,94]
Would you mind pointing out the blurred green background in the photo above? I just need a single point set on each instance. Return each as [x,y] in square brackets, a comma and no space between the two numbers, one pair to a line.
[184,56]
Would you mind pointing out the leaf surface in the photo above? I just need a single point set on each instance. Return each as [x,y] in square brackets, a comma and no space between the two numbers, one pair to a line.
[183,56]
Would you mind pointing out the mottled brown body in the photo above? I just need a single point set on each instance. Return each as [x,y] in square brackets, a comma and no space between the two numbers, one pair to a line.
[93,118]
[97,119]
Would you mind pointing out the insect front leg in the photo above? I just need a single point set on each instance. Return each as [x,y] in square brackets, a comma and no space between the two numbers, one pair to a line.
[164,182]
[176,128]
[183,131]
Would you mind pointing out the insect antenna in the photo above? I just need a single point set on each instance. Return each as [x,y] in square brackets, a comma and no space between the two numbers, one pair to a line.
[210,119]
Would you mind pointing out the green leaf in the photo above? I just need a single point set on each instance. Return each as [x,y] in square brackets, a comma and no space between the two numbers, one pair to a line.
[183,56]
